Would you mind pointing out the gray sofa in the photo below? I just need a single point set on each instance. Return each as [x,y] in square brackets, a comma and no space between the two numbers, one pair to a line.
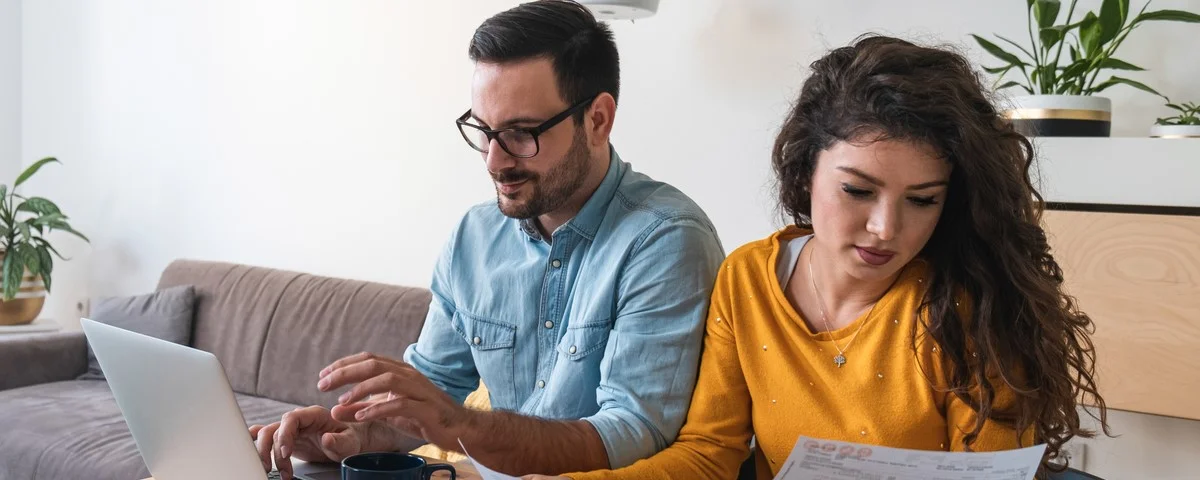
[272,330]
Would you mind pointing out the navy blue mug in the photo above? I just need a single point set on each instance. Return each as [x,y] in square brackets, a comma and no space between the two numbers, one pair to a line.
[390,466]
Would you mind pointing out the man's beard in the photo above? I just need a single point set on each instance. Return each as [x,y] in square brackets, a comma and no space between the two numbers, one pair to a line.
[551,190]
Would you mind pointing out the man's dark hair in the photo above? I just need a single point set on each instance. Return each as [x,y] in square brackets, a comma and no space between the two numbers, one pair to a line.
[582,49]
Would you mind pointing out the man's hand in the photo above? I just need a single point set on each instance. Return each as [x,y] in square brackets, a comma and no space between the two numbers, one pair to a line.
[405,400]
[310,433]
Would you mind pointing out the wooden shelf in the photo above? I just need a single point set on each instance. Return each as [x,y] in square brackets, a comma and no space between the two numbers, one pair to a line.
[1128,240]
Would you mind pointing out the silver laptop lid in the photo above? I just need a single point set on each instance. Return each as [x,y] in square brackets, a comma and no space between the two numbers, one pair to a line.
[178,404]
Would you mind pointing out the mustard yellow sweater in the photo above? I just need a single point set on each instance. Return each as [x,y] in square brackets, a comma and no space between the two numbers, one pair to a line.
[765,373]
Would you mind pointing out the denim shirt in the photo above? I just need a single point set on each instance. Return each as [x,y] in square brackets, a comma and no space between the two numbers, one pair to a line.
[603,323]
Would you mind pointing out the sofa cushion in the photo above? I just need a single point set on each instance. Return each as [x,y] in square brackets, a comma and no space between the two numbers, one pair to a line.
[321,319]
[274,330]
[234,307]
[73,429]
[165,314]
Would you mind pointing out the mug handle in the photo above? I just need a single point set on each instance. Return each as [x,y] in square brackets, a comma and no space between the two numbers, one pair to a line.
[429,469]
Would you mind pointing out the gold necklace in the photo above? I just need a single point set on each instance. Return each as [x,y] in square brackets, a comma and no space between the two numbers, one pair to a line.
[840,359]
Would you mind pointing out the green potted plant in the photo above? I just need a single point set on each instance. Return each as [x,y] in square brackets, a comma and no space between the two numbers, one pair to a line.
[1184,125]
[1060,67]
[27,255]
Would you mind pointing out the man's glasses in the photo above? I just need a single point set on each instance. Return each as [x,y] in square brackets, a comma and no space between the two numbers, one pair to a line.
[520,142]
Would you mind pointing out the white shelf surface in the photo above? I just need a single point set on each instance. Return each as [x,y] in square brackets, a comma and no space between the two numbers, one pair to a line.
[1119,170]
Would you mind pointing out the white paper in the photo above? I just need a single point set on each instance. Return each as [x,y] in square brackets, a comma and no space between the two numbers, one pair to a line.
[816,459]
[486,473]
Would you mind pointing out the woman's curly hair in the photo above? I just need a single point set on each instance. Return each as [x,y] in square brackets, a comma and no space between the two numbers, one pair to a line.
[988,246]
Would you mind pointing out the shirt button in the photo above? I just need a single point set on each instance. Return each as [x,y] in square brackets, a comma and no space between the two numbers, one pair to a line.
[549,324]
[541,384]
[555,264]
[572,350]
[477,340]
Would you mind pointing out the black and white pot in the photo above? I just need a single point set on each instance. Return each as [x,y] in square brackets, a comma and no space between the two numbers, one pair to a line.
[1061,115]
[1175,131]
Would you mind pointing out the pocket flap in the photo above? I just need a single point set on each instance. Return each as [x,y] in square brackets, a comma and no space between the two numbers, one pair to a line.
[580,341]
[485,334]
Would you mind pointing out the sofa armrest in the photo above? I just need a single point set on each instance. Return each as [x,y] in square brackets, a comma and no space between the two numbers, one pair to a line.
[33,359]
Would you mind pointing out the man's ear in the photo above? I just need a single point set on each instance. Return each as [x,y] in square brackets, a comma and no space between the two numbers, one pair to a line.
[598,119]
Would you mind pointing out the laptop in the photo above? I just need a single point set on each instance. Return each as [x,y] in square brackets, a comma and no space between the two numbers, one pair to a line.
[180,408]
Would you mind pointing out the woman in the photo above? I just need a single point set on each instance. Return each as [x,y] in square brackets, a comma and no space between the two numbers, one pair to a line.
[914,304]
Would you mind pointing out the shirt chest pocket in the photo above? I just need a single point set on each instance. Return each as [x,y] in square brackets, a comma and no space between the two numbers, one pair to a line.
[485,334]
[585,341]
[491,343]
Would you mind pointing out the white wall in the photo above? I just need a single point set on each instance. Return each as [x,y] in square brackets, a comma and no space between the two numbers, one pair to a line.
[10,89]
[318,135]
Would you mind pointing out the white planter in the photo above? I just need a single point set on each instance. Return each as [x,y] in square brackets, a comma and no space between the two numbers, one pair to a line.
[1061,115]
[1175,131]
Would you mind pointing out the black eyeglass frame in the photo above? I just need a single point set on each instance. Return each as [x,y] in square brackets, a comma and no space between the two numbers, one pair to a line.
[534,132]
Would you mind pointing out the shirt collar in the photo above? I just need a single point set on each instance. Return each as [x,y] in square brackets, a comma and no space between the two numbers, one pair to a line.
[588,220]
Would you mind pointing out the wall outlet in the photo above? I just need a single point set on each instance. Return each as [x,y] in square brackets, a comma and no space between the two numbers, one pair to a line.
[1076,452]
[83,307]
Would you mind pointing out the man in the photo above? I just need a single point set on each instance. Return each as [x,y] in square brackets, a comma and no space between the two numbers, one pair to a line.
[577,297]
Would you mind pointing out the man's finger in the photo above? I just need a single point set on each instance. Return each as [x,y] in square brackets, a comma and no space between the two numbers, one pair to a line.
[266,436]
[361,371]
[405,407]
[283,463]
[385,383]
[293,422]
[341,362]
[254,431]
[352,359]
[339,445]
[345,413]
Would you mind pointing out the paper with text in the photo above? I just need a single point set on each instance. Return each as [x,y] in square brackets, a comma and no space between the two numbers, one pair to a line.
[816,459]
[486,473]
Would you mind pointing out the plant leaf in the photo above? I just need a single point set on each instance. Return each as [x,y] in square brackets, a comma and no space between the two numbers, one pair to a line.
[1008,84]
[1074,70]
[998,70]
[47,261]
[24,227]
[1015,44]
[1089,35]
[32,170]
[39,206]
[1120,80]
[1045,12]
[48,219]
[1119,65]
[63,226]
[1168,15]
[12,274]
[33,262]
[997,51]
[1050,37]
[1112,19]
[43,243]
[1135,84]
